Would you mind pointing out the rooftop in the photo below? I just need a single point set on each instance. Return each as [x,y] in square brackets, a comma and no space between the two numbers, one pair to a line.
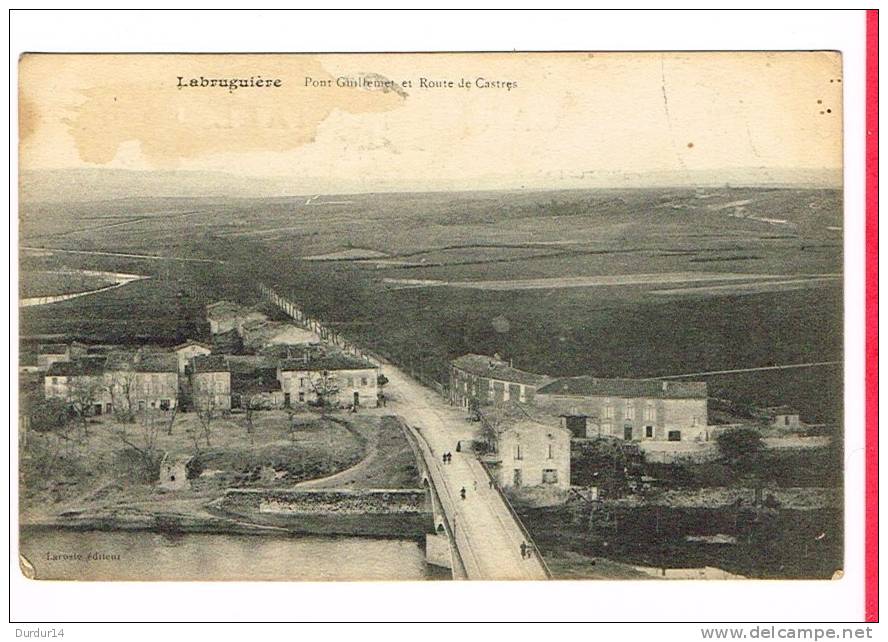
[211,363]
[89,367]
[192,342]
[315,362]
[495,368]
[645,388]
[52,348]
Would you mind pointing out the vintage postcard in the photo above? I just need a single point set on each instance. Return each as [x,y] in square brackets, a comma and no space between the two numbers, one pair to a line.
[488,316]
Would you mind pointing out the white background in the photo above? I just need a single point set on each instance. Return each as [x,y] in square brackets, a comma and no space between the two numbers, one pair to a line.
[614,601]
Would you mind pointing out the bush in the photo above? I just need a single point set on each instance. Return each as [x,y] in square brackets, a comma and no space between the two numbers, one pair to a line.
[740,448]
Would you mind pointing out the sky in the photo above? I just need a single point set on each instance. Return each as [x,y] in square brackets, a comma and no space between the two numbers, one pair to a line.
[570,120]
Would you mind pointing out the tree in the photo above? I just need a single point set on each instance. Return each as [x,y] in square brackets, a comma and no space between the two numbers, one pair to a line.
[740,447]
[326,388]
[50,415]
[83,394]
[122,389]
[205,409]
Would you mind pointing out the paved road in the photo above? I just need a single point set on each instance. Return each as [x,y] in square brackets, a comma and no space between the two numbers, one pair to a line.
[487,536]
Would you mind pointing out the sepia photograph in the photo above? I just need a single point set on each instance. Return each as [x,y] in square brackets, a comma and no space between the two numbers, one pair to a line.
[488,316]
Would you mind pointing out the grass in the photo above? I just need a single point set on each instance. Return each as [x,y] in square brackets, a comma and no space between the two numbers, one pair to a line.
[785,544]
[100,471]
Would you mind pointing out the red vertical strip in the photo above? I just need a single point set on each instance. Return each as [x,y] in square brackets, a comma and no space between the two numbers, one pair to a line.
[872,317]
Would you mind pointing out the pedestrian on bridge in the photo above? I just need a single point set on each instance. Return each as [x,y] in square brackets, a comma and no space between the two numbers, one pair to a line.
[524,550]
[462,492]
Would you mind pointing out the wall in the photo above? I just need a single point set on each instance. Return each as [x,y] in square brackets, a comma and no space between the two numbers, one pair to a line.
[466,385]
[534,443]
[330,511]
[186,354]
[296,381]
[668,414]
[214,388]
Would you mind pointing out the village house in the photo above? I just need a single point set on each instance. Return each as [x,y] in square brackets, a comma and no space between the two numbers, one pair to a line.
[79,382]
[186,351]
[304,379]
[783,418]
[225,316]
[258,334]
[628,409]
[50,353]
[489,380]
[211,382]
[254,382]
[529,453]
[141,380]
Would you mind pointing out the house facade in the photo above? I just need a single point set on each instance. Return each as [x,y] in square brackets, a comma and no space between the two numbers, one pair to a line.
[50,353]
[490,380]
[528,453]
[185,352]
[225,316]
[305,380]
[628,409]
[211,382]
[79,382]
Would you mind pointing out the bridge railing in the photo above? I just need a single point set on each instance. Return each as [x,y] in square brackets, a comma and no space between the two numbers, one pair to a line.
[457,529]
[534,549]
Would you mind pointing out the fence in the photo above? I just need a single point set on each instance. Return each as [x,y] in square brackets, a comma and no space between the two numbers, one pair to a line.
[295,312]
[534,549]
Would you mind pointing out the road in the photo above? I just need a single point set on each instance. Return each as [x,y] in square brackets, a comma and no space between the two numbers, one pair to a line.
[487,536]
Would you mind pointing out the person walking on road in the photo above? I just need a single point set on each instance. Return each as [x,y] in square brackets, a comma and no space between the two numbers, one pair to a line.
[444,458]
[523,550]
[462,492]
[475,485]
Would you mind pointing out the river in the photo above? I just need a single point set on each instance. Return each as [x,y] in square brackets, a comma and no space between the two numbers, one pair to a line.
[143,555]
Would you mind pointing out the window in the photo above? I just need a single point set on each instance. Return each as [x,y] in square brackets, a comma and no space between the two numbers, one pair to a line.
[674,435]
[649,432]
[363,381]
[608,412]
[301,396]
[650,413]
[550,476]
[518,451]
[55,380]
[301,382]
[349,381]
[630,411]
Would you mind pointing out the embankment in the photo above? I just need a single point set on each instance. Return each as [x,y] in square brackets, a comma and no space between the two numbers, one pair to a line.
[369,512]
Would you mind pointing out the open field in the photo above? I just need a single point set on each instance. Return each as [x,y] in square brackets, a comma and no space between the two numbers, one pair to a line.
[40,284]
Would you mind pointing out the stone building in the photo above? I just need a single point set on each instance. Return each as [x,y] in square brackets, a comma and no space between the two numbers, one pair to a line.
[529,453]
[629,409]
[489,380]
[186,351]
[225,316]
[211,382]
[304,379]
[50,353]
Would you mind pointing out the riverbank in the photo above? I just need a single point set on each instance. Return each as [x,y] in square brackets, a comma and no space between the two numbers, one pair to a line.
[360,452]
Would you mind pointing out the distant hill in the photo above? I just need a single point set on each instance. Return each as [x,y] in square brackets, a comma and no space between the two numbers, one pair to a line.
[73,185]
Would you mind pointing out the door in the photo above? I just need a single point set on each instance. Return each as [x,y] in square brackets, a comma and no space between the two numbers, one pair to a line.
[357,399]
[97,409]
[286,399]
[627,433]
[516,478]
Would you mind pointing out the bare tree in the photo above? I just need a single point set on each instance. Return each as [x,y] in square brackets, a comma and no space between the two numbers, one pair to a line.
[143,442]
[83,393]
[122,388]
[326,388]
[206,410]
